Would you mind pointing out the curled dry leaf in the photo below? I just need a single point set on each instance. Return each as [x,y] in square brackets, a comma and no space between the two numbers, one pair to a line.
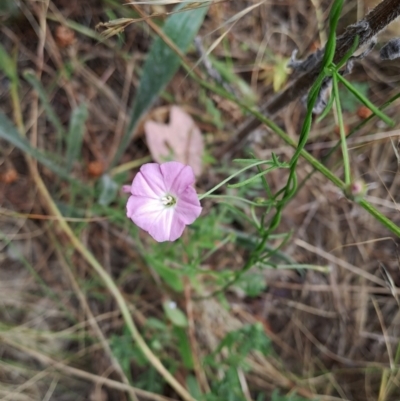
[180,140]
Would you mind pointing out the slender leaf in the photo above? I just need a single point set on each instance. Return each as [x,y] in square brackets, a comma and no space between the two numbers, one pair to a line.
[184,346]
[170,276]
[75,134]
[348,54]
[330,46]
[174,314]
[327,109]
[7,65]
[108,190]
[366,101]
[161,65]
[9,133]
[44,99]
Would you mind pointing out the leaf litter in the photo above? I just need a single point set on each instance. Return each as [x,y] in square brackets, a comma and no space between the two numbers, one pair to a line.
[180,140]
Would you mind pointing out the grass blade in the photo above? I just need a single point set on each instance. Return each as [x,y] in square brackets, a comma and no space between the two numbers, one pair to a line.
[50,113]
[10,133]
[75,134]
[7,65]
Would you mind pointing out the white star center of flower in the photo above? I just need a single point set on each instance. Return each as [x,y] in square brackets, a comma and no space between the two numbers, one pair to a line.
[168,200]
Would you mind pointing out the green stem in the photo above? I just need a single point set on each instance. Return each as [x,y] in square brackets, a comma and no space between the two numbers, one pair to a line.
[365,100]
[303,153]
[258,163]
[380,217]
[351,133]
[345,152]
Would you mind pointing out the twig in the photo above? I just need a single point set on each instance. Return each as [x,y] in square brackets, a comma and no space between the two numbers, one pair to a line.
[377,20]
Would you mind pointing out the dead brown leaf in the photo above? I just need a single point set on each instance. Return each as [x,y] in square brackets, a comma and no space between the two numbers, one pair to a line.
[180,140]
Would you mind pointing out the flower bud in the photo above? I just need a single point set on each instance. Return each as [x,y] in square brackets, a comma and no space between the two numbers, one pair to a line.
[356,190]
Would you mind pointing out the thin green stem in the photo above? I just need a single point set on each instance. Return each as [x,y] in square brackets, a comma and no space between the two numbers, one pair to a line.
[317,165]
[238,198]
[352,132]
[345,152]
[380,217]
[348,54]
[258,163]
[365,100]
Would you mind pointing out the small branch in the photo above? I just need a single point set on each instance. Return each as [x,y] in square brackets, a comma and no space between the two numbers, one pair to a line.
[377,20]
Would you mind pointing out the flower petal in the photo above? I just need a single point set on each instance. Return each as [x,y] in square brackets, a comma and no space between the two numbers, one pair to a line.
[146,208]
[149,182]
[188,207]
[161,222]
[177,177]
[127,189]
[167,226]
[144,212]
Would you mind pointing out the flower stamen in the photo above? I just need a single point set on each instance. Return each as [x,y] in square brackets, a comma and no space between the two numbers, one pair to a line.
[168,200]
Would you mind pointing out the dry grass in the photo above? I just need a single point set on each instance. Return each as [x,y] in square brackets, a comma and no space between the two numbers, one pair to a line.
[335,336]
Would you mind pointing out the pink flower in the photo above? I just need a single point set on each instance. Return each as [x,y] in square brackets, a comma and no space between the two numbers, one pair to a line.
[163,200]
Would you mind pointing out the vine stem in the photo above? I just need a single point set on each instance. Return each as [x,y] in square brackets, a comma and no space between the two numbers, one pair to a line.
[376,20]
[345,152]
[226,180]
[317,165]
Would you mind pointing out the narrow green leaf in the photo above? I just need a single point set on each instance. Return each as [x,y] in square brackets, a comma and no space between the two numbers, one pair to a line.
[108,190]
[7,65]
[327,109]
[50,113]
[253,178]
[9,8]
[348,54]
[229,75]
[366,101]
[171,277]
[193,387]
[174,314]
[252,284]
[75,134]
[10,133]
[161,65]
[343,139]
[184,346]
[330,46]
